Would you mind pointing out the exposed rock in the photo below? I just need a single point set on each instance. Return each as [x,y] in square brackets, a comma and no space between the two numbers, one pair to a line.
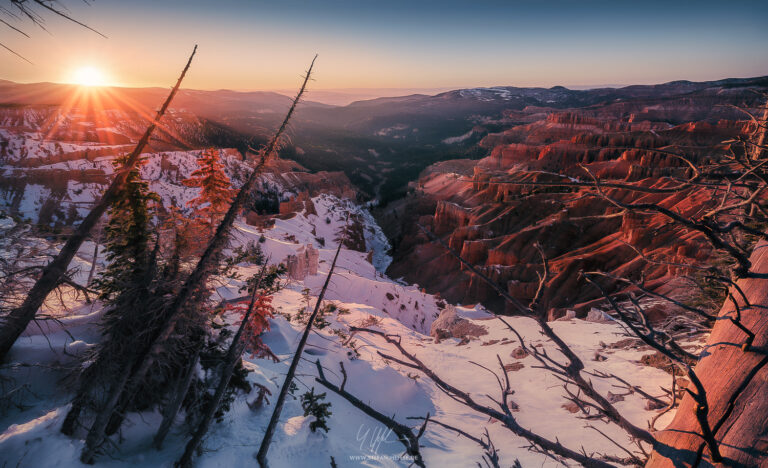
[598,316]
[519,353]
[303,264]
[571,407]
[513,366]
[301,202]
[651,405]
[569,314]
[449,325]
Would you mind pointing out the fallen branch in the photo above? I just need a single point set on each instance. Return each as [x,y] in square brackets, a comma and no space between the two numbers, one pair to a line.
[504,416]
[404,433]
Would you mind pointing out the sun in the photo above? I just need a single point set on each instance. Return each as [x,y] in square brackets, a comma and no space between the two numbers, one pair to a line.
[89,76]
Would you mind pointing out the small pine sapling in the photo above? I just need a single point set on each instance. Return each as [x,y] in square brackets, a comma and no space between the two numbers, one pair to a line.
[257,324]
[216,191]
[313,405]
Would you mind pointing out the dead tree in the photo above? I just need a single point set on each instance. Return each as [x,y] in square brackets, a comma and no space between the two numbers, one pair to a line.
[234,354]
[261,456]
[18,319]
[504,412]
[126,388]
[736,382]
[404,434]
[732,371]
[174,405]
[95,257]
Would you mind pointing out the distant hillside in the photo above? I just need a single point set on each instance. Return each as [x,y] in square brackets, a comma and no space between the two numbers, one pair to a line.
[383,143]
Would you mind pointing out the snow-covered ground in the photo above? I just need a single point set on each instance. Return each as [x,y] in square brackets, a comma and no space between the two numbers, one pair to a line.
[30,437]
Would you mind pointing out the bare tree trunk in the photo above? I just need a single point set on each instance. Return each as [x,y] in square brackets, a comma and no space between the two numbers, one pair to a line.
[759,147]
[172,409]
[95,438]
[261,456]
[233,355]
[736,383]
[198,277]
[96,241]
[18,319]
[69,425]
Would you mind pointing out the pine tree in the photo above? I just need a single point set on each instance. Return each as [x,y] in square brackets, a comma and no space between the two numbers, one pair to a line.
[257,324]
[182,240]
[124,286]
[127,240]
[216,191]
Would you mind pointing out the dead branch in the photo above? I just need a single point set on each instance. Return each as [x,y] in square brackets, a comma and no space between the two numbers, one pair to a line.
[652,338]
[233,356]
[195,282]
[404,433]
[504,415]
[572,370]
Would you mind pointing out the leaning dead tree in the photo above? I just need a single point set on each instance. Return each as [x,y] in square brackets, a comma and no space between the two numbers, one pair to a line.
[234,353]
[736,383]
[126,388]
[261,456]
[13,324]
[712,424]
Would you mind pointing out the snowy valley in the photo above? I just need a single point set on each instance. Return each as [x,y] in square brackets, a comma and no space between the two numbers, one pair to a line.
[363,296]
[498,309]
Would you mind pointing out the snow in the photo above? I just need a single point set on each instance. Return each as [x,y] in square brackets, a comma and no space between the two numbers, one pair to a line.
[30,436]
[458,139]
[392,131]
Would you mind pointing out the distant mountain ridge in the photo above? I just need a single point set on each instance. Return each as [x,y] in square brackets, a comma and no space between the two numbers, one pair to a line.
[381,144]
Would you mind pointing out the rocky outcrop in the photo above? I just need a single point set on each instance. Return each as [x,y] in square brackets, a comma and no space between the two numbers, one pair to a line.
[449,325]
[495,226]
[300,203]
[303,264]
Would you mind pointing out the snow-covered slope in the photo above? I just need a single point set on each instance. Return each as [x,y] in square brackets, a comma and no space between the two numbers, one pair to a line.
[30,437]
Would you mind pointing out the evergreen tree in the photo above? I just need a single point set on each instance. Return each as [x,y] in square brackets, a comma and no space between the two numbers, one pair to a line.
[124,286]
[127,240]
[181,241]
[216,191]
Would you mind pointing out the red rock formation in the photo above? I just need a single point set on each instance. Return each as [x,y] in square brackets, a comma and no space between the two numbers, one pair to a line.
[303,264]
[301,202]
[495,225]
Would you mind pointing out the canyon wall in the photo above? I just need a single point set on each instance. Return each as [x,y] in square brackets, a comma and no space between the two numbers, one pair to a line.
[495,225]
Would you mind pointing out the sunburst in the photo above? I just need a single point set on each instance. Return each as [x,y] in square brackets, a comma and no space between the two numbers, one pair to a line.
[89,76]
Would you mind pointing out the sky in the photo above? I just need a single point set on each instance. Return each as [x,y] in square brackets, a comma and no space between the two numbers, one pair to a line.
[400,45]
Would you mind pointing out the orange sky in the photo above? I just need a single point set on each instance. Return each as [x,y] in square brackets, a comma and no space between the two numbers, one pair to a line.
[425,45]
